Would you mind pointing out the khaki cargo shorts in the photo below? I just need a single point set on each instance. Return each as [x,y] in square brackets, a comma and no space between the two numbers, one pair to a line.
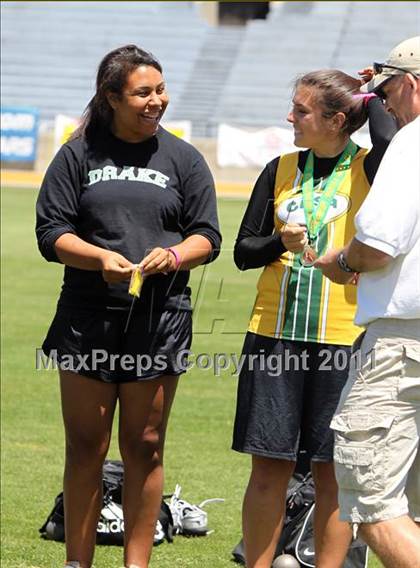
[377,426]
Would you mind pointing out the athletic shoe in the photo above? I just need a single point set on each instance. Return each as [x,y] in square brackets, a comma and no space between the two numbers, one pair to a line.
[158,537]
[190,520]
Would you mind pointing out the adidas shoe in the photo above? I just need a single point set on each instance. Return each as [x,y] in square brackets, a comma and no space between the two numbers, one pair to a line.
[190,520]
[159,535]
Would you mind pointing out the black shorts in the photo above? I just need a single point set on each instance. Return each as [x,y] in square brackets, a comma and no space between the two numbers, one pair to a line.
[287,399]
[93,343]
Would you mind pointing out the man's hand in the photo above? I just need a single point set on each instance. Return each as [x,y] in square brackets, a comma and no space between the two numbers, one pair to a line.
[366,75]
[294,237]
[329,267]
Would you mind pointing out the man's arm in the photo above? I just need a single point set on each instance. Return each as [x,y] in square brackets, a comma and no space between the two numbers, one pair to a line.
[357,257]
[363,258]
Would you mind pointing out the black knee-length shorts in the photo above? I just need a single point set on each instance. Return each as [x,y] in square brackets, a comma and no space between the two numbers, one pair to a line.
[286,401]
[94,343]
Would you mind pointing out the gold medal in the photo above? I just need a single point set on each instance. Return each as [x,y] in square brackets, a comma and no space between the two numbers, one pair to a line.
[308,256]
[316,214]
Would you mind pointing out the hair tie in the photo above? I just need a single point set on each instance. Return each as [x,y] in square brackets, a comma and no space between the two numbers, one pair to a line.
[365,97]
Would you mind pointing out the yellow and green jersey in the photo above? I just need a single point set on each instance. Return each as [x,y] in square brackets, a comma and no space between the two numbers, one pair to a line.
[299,303]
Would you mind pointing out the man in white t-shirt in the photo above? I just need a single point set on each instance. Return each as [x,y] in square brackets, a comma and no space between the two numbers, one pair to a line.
[377,423]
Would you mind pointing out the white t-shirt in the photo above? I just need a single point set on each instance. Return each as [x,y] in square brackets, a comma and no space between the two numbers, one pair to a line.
[389,221]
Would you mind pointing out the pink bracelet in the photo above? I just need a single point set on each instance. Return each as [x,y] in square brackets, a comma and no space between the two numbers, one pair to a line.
[365,97]
[176,255]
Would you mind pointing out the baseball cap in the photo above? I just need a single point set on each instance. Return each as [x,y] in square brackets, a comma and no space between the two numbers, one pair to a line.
[404,58]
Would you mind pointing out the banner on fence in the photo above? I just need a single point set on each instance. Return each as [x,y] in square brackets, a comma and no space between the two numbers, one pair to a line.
[243,148]
[254,149]
[19,134]
[64,126]
[180,128]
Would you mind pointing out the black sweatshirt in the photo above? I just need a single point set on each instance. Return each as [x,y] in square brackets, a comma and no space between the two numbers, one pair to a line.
[256,244]
[128,198]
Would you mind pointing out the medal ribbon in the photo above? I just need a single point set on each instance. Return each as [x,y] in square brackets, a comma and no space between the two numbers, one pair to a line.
[315,217]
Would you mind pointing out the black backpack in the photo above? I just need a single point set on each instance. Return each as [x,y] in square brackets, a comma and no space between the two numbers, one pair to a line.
[110,528]
[296,538]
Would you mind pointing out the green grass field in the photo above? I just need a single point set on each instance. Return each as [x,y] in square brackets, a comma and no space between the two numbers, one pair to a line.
[198,454]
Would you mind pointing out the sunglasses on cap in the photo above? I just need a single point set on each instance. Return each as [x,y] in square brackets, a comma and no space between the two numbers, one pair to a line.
[379,67]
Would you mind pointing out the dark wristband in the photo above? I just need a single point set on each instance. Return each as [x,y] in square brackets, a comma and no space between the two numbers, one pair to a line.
[342,263]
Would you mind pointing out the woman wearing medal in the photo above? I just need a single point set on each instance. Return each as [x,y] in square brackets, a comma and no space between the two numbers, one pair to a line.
[302,204]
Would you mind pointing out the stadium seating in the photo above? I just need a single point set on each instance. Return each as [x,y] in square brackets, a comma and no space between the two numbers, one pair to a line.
[232,74]
[50,50]
[299,37]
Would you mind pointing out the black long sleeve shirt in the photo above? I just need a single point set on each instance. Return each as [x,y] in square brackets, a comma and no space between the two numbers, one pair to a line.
[128,198]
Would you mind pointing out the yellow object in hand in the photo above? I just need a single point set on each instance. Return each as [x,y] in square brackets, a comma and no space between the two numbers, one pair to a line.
[136,283]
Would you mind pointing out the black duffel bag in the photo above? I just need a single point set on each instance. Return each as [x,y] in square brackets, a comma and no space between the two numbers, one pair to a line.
[110,528]
[297,537]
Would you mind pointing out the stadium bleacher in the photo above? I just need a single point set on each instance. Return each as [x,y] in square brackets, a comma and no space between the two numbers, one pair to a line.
[232,74]
[299,37]
[51,50]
